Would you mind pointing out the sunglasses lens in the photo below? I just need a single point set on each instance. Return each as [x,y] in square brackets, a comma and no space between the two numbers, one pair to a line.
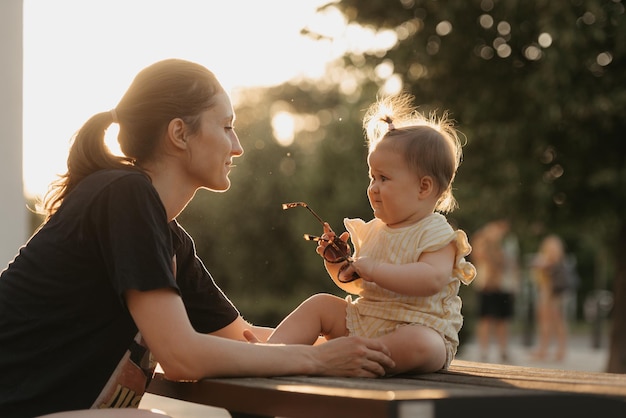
[337,251]
[354,276]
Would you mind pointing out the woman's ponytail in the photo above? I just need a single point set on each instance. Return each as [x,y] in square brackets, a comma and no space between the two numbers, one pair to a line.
[165,90]
[88,154]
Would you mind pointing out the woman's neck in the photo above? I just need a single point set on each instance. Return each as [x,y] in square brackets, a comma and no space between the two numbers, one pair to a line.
[174,192]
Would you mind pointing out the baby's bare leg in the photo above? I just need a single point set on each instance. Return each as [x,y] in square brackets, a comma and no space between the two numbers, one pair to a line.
[321,314]
[416,349]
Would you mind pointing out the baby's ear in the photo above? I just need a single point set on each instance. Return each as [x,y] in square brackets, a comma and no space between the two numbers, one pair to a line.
[427,186]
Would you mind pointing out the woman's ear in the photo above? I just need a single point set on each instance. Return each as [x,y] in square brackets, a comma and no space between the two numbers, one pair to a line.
[176,133]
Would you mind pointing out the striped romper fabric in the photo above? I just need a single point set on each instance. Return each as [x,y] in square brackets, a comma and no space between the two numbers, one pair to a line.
[378,311]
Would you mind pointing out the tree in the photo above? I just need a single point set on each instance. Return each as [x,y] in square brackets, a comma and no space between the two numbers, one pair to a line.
[537,87]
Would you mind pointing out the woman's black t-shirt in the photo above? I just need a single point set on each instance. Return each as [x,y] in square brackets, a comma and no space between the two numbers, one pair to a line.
[64,326]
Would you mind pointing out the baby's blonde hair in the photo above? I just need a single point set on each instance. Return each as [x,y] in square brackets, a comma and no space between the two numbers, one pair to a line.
[430,145]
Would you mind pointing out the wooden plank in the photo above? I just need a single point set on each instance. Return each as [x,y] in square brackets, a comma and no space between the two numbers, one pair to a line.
[263,397]
[396,388]
[492,375]
[309,397]
[479,376]
[495,370]
[464,389]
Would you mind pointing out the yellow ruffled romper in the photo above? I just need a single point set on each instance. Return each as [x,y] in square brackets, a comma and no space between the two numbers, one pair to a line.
[378,311]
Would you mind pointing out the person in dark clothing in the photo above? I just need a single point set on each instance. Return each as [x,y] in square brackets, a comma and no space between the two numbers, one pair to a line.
[495,254]
[111,283]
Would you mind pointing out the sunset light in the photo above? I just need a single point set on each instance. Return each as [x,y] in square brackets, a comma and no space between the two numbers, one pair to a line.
[80,56]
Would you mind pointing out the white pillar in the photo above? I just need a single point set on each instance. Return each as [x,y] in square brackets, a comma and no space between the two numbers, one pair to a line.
[13,212]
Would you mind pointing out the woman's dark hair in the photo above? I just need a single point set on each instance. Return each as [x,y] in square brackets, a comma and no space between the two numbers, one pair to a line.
[163,91]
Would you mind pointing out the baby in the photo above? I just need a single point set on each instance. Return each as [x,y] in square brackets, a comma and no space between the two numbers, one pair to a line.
[408,261]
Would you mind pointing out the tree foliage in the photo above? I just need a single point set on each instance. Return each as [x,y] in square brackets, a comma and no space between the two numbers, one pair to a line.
[537,86]
[537,89]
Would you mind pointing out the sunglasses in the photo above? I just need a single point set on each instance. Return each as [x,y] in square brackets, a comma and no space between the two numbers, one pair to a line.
[337,250]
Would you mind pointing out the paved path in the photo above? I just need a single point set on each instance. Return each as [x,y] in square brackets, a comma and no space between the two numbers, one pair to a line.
[581,356]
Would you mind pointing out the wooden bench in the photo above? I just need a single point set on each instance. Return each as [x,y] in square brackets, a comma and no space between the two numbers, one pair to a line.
[467,389]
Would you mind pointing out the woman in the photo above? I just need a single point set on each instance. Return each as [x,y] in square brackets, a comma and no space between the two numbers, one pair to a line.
[111,273]
[548,266]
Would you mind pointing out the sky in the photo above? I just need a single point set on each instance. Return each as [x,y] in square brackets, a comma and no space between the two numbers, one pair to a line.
[80,56]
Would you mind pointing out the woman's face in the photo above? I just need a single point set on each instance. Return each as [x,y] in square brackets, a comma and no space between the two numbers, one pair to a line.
[213,147]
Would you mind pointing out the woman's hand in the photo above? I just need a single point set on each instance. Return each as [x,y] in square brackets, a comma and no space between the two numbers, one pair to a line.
[250,336]
[345,356]
[353,357]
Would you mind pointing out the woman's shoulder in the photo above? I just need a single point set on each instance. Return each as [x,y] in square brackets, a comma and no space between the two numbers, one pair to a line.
[117,186]
[114,181]
[109,176]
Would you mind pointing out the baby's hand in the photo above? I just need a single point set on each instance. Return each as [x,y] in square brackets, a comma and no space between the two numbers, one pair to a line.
[365,267]
[347,273]
[327,237]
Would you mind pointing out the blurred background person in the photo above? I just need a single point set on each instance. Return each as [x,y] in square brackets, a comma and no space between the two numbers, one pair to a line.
[495,253]
[550,273]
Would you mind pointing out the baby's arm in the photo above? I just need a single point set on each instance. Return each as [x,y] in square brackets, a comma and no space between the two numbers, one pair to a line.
[333,272]
[425,277]
[333,268]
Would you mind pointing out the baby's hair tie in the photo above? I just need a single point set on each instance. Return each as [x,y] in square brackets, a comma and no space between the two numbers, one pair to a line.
[389,123]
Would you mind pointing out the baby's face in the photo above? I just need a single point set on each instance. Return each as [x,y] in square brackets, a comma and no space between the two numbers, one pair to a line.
[395,192]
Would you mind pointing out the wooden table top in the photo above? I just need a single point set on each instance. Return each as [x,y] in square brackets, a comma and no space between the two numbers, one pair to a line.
[467,389]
